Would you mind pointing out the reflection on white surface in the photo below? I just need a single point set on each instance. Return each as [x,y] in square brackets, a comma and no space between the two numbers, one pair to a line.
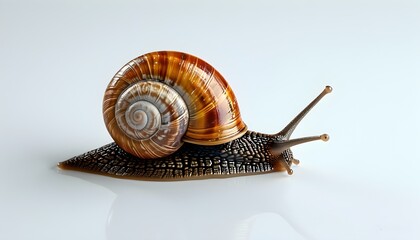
[270,226]
[207,209]
[272,206]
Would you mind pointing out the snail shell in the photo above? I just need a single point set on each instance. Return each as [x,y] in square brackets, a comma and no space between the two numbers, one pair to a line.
[161,99]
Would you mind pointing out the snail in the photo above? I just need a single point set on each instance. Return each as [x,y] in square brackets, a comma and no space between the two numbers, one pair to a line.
[172,116]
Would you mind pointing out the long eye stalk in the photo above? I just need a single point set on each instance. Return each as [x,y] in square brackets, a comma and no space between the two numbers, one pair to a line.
[280,147]
[288,130]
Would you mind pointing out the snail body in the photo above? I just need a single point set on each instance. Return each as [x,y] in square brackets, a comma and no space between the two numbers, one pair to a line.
[173,116]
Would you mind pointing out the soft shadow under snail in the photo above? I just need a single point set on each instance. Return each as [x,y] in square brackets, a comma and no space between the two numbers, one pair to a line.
[173,117]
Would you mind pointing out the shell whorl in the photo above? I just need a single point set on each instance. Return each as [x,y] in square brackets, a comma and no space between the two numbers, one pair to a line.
[160,99]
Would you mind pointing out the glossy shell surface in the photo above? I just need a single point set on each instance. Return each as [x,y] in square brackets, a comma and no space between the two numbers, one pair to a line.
[160,99]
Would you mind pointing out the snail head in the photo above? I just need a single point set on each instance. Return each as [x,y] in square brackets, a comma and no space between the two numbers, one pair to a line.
[282,142]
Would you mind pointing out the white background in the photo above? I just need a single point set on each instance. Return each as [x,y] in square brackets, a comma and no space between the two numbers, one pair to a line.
[56,58]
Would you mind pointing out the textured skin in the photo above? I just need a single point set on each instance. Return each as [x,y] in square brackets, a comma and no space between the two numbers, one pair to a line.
[248,154]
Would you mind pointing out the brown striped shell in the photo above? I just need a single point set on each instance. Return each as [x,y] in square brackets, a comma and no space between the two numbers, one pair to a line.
[161,99]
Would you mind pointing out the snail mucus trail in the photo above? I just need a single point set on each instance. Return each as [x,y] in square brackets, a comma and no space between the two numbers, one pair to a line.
[183,89]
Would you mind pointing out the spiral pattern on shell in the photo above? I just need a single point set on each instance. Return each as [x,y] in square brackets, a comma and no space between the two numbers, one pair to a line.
[159,100]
